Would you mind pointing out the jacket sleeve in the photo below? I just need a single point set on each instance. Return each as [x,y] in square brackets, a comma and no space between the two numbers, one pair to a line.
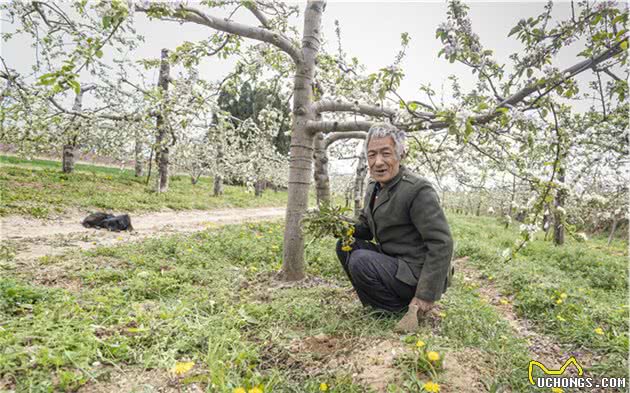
[429,219]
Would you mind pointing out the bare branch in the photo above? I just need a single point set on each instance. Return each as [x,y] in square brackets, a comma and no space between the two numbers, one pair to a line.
[194,15]
[258,14]
[335,136]
[327,126]
[355,107]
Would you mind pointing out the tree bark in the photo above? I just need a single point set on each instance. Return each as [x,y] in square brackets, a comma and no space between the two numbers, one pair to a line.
[322,180]
[162,149]
[612,231]
[301,152]
[139,164]
[259,187]
[68,158]
[359,181]
[558,230]
[218,186]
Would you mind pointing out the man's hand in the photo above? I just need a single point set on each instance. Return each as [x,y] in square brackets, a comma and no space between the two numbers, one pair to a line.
[422,305]
[409,323]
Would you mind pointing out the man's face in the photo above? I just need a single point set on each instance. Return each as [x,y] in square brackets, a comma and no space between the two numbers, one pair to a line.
[382,161]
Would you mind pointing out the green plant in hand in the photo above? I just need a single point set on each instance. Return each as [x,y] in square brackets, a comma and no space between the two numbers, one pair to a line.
[330,221]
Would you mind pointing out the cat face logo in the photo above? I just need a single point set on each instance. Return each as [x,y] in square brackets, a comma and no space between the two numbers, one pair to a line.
[560,371]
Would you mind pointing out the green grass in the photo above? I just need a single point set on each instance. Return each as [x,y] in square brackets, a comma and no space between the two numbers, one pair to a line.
[38,188]
[568,291]
[210,298]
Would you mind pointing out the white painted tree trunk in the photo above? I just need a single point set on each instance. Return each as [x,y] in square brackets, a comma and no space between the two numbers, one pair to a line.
[558,230]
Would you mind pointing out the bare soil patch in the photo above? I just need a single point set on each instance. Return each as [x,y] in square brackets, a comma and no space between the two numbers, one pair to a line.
[139,380]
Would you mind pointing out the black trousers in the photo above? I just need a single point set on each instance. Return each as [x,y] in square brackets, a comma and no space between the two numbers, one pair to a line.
[373,276]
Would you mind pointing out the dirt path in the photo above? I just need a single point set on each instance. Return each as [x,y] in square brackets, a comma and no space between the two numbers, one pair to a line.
[31,238]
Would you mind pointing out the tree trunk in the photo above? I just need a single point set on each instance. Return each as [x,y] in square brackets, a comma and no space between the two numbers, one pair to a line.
[161,149]
[359,181]
[139,165]
[68,158]
[259,187]
[558,230]
[218,186]
[301,152]
[322,180]
[612,231]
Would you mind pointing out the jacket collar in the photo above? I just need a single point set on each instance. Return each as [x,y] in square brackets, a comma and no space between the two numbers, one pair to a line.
[384,194]
[390,184]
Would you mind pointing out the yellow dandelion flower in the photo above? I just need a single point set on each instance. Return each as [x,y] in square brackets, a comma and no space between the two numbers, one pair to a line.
[323,387]
[239,390]
[559,318]
[559,301]
[431,387]
[557,390]
[350,231]
[599,331]
[256,389]
[433,356]
[503,301]
[346,248]
[563,295]
[490,278]
[420,344]
[182,368]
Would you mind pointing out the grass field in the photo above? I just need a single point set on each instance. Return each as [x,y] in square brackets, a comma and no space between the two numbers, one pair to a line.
[38,188]
[210,298]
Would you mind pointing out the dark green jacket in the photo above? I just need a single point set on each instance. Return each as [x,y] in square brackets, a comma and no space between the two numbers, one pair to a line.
[408,223]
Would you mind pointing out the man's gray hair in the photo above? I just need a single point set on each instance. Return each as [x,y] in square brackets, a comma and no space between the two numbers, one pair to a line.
[383,130]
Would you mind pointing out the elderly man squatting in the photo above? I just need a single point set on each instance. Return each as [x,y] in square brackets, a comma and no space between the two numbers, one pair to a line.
[409,262]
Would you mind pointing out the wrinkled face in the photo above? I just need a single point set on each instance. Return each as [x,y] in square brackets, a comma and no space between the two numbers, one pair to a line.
[382,160]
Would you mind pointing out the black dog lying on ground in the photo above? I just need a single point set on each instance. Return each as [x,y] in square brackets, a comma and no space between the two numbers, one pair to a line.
[108,221]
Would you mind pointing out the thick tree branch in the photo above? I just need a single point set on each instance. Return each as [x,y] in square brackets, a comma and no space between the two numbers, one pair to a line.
[335,136]
[327,126]
[355,107]
[194,15]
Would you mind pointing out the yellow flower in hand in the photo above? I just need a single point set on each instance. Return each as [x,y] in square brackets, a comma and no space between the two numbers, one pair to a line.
[323,387]
[433,356]
[182,368]
[431,387]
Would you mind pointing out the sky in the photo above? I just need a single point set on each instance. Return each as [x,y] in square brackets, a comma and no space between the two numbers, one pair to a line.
[370,31]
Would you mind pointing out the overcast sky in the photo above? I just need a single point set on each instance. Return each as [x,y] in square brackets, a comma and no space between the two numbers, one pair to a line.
[370,31]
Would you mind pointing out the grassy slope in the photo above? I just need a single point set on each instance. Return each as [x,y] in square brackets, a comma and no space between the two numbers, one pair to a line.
[39,188]
[204,298]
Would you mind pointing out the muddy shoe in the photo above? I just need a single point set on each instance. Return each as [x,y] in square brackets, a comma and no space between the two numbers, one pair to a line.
[409,323]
